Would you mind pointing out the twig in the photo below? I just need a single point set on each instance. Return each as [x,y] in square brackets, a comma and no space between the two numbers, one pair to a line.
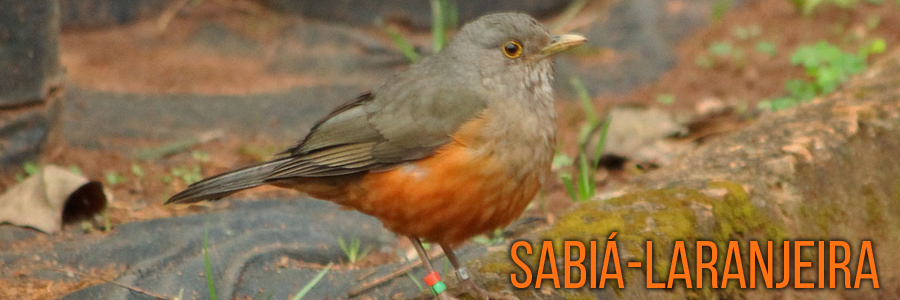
[168,15]
[366,274]
[388,277]
[178,146]
[568,14]
[134,289]
[247,7]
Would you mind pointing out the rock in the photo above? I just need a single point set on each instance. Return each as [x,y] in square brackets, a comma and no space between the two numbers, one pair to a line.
[29,58]
[826,170]
[27,131]
[31,90]
[640,134]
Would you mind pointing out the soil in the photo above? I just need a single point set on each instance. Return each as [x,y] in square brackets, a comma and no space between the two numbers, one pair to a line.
[141,58]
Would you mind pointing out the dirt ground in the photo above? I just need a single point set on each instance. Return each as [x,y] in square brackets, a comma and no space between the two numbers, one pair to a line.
[120,60]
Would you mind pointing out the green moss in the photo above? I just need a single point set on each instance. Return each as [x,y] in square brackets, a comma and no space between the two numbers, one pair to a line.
[498,267]
[873,207]
[576,296]
[663,216]
[637,217]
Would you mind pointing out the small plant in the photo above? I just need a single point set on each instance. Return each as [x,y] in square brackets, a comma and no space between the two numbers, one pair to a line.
[747,32]
[704,61]
[581,186]
[872,22]
[137,170]
[200,156]
[416,281]
[592,122]
[113,178]
[665,99]
[75,170]
[444,16]
[409,271]
[29,168]
[807,7]
[87,226]
[766,47]
[721,50]
[107,225]
[561,160]
[312,283]
[724,49]
[495,238]
[353,251]
[405,47]
[209,279]
[827,66]
[210,283]
[719,8]
[189,175]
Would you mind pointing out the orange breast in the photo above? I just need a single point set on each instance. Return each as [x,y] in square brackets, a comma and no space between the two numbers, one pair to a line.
[451,196]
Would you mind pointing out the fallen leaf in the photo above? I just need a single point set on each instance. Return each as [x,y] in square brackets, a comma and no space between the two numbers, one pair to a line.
[40,200]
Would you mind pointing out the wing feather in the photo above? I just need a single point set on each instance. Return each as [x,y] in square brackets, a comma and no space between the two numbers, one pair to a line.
[402,121]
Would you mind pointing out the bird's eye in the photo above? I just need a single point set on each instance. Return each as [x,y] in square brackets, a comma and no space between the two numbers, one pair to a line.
[512,49]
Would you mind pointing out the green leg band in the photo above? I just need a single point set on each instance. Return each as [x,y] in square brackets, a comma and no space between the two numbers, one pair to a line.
[438,288]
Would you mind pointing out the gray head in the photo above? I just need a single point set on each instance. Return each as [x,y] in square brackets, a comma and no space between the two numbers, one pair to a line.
[513,36]
[507,46]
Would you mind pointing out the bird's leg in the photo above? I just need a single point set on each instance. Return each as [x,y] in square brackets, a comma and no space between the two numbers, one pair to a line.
[467,284]
[432,278]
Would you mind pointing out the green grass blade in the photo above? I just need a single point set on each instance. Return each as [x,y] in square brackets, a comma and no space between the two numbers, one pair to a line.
[585,179]
[402,44]
[414,280]
[312,283]
[601,143]
[343,245]
[584,134]
[567,182]
[437,24]
[354,250]
[586,102]
[209,280]
[451,15]
[362,254]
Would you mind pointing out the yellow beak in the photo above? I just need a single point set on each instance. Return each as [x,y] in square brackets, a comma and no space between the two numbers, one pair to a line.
[560,43]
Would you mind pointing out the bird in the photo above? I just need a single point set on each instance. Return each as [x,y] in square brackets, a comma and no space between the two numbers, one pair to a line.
[456,145]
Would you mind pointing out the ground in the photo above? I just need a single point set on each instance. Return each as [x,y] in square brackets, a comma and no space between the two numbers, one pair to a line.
[113,60]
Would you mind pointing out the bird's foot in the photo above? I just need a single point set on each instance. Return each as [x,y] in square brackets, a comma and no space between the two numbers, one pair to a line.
[469,287]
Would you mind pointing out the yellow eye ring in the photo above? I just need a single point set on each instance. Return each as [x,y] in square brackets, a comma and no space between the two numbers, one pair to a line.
[512,49]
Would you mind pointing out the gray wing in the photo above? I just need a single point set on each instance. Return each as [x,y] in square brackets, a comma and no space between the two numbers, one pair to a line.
[376,131]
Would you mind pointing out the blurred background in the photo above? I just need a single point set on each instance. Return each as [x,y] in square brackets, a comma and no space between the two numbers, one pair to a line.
[148,96]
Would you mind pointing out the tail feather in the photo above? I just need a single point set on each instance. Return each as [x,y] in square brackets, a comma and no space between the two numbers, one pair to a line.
[219,186]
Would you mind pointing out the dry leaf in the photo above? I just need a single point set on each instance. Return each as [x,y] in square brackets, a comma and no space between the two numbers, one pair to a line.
[40,200]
